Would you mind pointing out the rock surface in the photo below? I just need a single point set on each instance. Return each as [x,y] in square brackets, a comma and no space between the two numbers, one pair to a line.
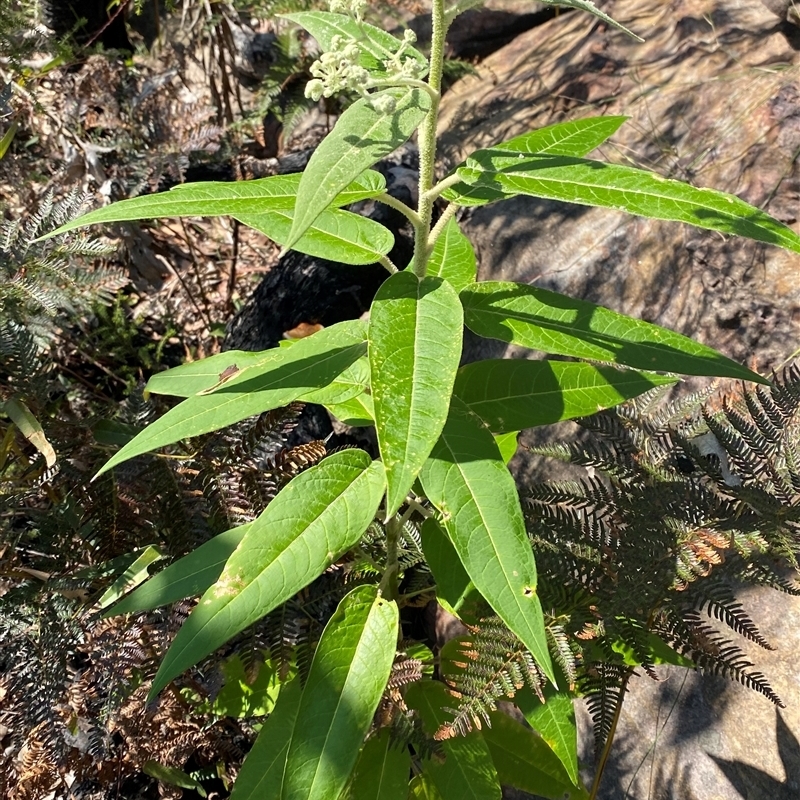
[714,99]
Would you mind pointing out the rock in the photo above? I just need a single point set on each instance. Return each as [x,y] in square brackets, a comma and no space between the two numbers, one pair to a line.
[697,737]
[713,99]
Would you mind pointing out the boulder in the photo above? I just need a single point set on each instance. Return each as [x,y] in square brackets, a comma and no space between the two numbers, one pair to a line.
[713,99]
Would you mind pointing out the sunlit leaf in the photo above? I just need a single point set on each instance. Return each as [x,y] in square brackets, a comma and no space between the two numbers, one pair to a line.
[134,574]
[214,198]
[554,323]
[554,721]
[361,137]
[577,137]
[493,174]
[187,577]
[467,481]
[415,335]
[453,257]
[336,235]
[261,776]
[513,394]
[315,518]
[275,378]
[347,678]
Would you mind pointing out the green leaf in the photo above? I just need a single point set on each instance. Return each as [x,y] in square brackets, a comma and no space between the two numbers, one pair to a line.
[243,696]
[422,787]
[187,577]
[262,774]
[318,515]
[507,444]
[212,198]
[523,759]
[552,322]
[375,45]
[467,481]
[554,721]
[415,335]
[348,676]
[513,394]
[277,378]
[172,776]
[453,585]
[574,138]
[358,412]
[361,137]
[657,651]
[382,770]
[29,427]
[494,174]
[467,772]
[351,383]
[335,234]
[8,137]
[591,8]
[134,574]
[453,257]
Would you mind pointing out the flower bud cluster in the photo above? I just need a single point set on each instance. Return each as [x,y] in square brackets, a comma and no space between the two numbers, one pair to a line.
[355,8]
[337,71]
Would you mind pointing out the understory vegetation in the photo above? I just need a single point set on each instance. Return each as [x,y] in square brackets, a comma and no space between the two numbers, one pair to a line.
[120,507]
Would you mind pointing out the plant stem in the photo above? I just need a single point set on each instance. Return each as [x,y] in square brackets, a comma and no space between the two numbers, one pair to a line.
[427,140]
[400,206]
[388,587]
[447,214]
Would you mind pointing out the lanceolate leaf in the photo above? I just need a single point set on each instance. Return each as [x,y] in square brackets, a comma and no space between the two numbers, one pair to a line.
[591,8]
[467,772]
[187,577]
[524,760]
[422,787]
[554,721]
[375,44]
[361,137]
[552,322]
[453,257]
[279,377]
[452,582]
[512,394]
[359,412]
[466,479]
[415,334]
[336,235]
[316,517]
[575,138]
[382,770]
[351,383]
[261,776]
[494,174]
[348,676]
[214,198]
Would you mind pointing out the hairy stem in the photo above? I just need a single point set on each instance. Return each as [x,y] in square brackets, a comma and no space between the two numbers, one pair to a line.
[447,214]
[400,206]
[388,587]
[427,141]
